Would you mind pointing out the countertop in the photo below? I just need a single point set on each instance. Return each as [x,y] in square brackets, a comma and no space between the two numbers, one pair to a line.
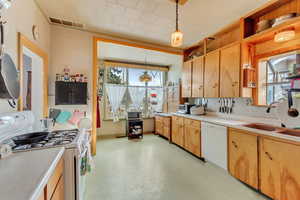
[24,175]
[238,122]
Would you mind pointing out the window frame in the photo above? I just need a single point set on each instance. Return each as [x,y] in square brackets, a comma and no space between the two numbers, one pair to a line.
[105,96]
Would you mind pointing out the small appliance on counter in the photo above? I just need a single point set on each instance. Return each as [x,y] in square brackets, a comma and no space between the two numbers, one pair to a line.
[198,110]
[185,108]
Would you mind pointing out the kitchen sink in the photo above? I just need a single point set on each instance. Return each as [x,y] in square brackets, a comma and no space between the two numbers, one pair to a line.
[279,130]
[260,126]
[291,132]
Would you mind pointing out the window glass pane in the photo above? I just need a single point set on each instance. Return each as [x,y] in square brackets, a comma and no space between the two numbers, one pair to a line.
[155,99]
[278,69]
[142,97]
[157,78]
[134,75]
[116,75]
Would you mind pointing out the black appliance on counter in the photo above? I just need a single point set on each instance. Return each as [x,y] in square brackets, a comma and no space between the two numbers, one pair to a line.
[134,125]
[185,108]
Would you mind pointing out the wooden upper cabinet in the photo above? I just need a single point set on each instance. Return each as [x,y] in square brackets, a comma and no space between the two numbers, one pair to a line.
[178,131]
[197,77]
[211,74]
[243,156]
[279,170]
[187,79]
[192,135]
[230,64]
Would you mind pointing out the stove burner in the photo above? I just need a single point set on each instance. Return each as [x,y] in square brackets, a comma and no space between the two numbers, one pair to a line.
[54,138]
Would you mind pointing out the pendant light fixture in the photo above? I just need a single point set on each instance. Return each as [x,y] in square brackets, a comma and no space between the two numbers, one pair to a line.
[177,36]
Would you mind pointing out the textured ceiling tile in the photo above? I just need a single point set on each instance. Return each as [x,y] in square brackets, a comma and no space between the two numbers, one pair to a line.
[151,20]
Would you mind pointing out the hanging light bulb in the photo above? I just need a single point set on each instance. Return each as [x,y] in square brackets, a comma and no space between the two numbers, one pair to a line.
[177,36]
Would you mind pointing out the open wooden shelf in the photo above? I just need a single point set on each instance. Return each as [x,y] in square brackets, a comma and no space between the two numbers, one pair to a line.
[270,33]
[197,50]
[272,10]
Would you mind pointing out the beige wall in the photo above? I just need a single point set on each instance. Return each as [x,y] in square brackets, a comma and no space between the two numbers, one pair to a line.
[20,17]
[73,48]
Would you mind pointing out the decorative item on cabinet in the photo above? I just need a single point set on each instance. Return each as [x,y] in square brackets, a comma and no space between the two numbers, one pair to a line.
[67,77]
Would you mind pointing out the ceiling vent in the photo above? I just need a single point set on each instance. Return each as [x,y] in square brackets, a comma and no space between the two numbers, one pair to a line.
[65,23]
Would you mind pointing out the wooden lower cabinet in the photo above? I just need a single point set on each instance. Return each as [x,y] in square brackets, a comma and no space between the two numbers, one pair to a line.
[163,126]
[54,190]
[279,170]
[192,136]
[243,156]
[158,125]
[59,191]
[167,127]
[187,134]
[178,130]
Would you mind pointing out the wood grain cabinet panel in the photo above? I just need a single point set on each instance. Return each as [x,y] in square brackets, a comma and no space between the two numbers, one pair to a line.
[211,74]
[187,79]
[59,190]
[158,125]
[166,127]
[198,77]
[279,170]
[178,131]
[54,179]
[192,135]
[243,156]
[230,64]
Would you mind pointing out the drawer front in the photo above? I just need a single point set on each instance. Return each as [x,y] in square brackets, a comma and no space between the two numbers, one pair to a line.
[193,123]
[54,179]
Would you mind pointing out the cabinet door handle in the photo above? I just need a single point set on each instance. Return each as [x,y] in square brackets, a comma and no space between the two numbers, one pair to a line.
[234,144]
[268,155]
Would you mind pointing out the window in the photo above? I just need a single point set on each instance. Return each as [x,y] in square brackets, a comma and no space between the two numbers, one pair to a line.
[272,82]
[123,86]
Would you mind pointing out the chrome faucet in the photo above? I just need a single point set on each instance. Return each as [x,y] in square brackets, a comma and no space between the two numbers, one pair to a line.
[270,106]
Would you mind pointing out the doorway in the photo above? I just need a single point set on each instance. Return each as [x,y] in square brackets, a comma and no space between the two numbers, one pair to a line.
[33,66]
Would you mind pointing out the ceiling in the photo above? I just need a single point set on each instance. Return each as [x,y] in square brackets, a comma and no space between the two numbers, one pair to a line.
[150,20]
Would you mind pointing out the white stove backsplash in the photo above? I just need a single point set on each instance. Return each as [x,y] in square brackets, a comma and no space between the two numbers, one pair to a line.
[243,108]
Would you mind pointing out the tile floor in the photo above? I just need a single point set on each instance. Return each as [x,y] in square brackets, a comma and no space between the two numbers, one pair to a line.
[154,169]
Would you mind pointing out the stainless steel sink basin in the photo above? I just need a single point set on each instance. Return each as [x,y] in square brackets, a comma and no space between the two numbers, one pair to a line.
[279,130]
[260,126]
[291,132]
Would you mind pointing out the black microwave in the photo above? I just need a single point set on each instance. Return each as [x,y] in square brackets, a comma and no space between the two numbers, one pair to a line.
[134,115]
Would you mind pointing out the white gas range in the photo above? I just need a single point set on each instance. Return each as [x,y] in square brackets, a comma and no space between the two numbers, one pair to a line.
[76,143]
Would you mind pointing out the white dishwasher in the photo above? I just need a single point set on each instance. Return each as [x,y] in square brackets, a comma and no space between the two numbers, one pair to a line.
[214,143]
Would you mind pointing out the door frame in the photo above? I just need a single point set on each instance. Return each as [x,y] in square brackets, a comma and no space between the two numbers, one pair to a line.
[23,41]
[95,74]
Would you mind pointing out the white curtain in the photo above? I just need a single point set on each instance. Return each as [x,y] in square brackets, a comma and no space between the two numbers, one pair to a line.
[115,95]
[137,96]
